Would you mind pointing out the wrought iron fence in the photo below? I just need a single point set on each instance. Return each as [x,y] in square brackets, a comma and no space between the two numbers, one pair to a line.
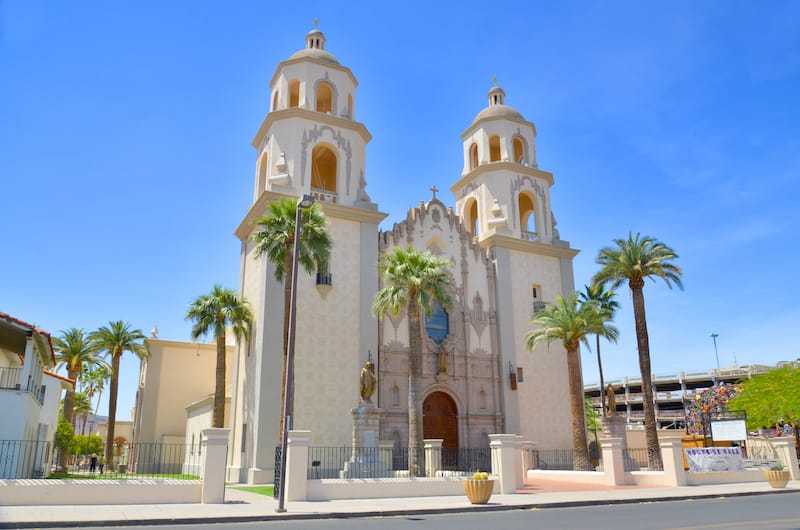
[276,474]
[636,459]
[467,459]
[558,459]
[139,460]
[20,459]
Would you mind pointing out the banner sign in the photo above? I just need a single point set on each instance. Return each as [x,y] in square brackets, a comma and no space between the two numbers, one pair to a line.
[728,430]
[704,459]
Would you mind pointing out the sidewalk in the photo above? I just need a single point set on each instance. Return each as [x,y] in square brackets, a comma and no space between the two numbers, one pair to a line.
[241,506]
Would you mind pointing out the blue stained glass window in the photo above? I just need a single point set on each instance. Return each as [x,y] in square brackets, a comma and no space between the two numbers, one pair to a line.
[437,324]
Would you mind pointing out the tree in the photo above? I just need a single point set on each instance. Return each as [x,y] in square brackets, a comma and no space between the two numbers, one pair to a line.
[215,312]
[82,408]
[96,380]
[275,240]
[115,339]
[632,261]
[771,398]
[570,323]
[74,351]
[415,281]
[65,435]
[604,300]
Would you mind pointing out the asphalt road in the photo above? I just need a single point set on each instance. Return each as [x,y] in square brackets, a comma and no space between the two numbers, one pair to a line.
[769,512]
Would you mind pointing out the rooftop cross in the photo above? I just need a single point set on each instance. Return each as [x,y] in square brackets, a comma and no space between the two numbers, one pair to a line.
[316,23]
[434,189]
[494,78]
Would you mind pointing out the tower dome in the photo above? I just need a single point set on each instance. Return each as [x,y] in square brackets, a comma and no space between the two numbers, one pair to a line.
[497,107]
[315,48]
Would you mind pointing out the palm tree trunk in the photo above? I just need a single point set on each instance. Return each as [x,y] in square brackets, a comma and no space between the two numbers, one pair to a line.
[112,408]
[287,301]
[581,450]
[414,384]
[643,342]
[69,398]
[602,383]
[219,384]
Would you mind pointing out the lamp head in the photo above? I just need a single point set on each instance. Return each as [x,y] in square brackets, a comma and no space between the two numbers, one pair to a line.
[305,201]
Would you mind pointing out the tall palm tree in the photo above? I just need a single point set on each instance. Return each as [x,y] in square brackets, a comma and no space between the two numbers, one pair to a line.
[604,299]
[274,239]
[96,379]
[216,311]
[83,406]
[415,281]
[115,339]
[632,260]
[74,351]
[570,323]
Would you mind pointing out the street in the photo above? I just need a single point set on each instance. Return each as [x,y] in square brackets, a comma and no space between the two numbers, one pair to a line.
[770,512]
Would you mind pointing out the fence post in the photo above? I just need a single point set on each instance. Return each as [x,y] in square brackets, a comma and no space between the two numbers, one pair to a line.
[433,456]
[504,461]
[613,463]
[528,448]
[214,460]
[784,450]
[672,458]
[297,465]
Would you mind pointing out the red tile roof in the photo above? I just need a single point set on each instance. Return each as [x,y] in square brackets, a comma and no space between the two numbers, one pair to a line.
[62,377]
[38,331]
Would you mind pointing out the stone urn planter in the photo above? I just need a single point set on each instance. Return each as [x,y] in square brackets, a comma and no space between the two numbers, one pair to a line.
[777,478]
[478,490]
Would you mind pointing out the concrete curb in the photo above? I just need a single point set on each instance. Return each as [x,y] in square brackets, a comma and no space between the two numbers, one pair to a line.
[375,513]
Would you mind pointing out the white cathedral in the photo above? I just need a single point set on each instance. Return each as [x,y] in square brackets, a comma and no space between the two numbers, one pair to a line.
[505,255]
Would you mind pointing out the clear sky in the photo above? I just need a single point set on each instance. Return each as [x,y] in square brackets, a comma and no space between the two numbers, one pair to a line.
[126,164]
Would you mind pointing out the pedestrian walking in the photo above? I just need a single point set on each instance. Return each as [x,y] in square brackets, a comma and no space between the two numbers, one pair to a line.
[93,463]
[102,463]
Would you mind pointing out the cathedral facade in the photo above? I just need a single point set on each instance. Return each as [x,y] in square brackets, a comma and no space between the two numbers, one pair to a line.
[506,258]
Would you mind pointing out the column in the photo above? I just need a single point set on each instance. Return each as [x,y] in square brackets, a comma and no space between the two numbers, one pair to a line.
[433,456]
[297,465]
[504,460]
[214,461]
[672,458]
[613,463]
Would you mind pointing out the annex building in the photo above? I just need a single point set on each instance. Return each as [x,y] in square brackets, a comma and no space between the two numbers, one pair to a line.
[497,231]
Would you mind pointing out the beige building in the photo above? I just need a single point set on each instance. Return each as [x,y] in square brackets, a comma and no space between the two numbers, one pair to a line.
[505,254]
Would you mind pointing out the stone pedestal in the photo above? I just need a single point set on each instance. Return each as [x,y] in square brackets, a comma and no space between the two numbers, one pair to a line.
[614,427]
[366,459]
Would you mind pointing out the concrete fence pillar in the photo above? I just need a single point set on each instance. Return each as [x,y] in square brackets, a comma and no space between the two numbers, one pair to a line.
[215,458]
[504,461]
[613,463]
[297,465]
[433,456]
[672,459]
[785,452]
[527,448]
[519,473]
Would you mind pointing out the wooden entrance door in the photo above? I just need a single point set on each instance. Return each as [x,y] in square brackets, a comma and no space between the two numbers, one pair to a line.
[440,420]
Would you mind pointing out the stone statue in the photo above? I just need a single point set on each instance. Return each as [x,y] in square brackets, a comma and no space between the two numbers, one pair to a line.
[442,354]
[367,382]
[611,401]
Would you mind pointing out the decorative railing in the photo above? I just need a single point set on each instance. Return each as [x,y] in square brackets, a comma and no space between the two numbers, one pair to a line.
[538,306]
[559,459]
[23,459]
[324,196]
[138,460]
[636,459]
[530,236]
[9,378]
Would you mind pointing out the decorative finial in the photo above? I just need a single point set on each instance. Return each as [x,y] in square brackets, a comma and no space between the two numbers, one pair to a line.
[154,332]
[434,189]
[494,79]
[316,23]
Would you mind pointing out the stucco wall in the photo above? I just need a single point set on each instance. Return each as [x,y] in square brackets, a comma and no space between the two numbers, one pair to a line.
[88,492]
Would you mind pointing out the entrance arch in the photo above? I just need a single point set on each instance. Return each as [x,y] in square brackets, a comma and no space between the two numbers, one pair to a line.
[440,420]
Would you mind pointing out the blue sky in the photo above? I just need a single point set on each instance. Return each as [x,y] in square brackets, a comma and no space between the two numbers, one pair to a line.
[126,164]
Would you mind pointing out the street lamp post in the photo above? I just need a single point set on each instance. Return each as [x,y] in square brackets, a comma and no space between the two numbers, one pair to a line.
[716,353]
[305,202]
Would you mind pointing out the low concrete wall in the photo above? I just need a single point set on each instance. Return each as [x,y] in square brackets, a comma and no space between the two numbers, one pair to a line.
[375,488]
[725,477]
[49,492]
[583,477]
[646,478]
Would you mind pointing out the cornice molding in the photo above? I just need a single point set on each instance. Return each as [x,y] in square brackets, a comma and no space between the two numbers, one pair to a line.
[335,211]
[320,62]
[520,121]
[517,169]
[312,116]
[523,245]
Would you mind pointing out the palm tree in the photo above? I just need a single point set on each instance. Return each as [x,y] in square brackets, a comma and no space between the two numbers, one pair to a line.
[74,350]
[83,406]
[604,299]
[275,240]
[216,311]
[570,323]
[416,281]
[96,379]
[632,260]
[115,339]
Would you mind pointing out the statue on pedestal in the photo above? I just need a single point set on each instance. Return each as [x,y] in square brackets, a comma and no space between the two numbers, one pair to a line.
[611,401]
[367,386]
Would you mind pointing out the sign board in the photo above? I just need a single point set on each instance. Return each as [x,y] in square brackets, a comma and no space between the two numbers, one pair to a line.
[728,430]
[704,459]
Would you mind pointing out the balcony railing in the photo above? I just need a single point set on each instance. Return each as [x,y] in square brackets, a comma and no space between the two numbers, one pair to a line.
[538,306]
[530,236]
[9,378]
[324,196]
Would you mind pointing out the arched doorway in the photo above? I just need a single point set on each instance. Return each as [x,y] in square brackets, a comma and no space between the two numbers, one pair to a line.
[440,420]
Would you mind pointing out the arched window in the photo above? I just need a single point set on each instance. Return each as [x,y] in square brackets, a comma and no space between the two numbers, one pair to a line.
[527,214]
[519,150]
[395,396]
[482,399]
[471,217]
[294,93]
[494,148]
[275,99]
[263,172]
[323,168]
[437,325]
[350,112]
[473,156]
[324,97]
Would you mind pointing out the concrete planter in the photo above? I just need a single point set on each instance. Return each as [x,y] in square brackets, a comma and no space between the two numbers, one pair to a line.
[478,491]
[777,478]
